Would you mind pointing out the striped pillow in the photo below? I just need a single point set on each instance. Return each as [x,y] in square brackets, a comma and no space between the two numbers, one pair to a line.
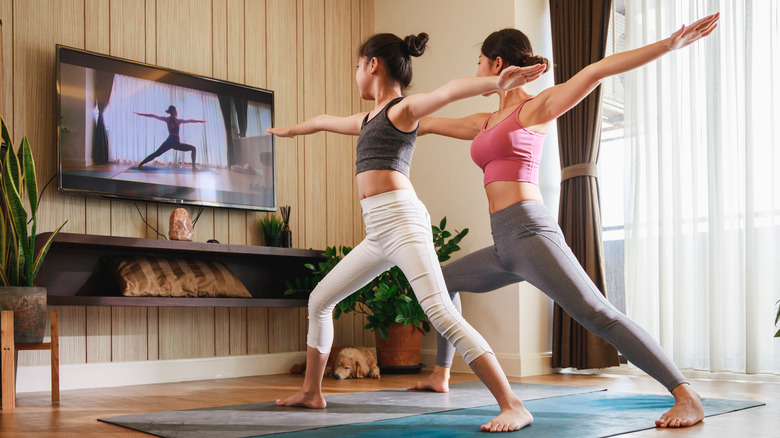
[143,276]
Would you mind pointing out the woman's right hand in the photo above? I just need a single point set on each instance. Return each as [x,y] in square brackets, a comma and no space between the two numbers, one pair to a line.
[281,132]
[513,76]
[687,35]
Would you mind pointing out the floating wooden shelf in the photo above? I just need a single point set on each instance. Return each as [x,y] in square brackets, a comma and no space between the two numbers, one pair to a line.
[72,272]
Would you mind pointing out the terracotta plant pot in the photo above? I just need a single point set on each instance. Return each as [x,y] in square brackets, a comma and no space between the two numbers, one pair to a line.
[29,306]
[401,348]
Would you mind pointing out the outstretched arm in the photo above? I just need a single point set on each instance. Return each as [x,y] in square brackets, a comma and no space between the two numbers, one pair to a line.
[417,106]
[465,128]
[153,116]
[349,125]
[556,100]
[191,121]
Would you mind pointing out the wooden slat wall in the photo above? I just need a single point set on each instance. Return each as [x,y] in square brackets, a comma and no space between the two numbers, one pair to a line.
[304,50]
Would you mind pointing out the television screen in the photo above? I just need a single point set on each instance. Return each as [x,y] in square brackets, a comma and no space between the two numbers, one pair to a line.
[140,132]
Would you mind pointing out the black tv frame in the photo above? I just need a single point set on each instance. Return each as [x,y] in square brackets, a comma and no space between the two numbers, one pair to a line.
[120,189]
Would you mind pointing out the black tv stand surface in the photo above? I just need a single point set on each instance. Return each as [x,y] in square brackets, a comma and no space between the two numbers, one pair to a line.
[72,275]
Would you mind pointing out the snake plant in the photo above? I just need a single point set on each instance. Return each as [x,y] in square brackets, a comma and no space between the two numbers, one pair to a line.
[19,262]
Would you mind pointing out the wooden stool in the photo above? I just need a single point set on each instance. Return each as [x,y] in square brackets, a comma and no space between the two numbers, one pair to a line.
[10,358]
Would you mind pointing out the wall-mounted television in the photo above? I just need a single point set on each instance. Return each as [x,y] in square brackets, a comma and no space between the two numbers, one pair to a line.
[141,132]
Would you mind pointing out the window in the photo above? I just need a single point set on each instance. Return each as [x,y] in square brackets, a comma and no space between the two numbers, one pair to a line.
[611,163]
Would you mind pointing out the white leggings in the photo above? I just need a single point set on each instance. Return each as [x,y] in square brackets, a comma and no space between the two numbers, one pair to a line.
[398,233]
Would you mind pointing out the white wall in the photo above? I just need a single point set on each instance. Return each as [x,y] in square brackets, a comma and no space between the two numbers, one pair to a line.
[515,320]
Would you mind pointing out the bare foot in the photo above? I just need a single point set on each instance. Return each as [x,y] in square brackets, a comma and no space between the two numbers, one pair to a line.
[687,409]
[437,381]
[514,418]
[314,401]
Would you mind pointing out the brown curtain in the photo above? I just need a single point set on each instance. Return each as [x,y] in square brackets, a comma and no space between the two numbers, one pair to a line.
[104,83]
[579,31]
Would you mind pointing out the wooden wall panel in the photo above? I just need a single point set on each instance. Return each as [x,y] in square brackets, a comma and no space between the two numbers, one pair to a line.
[235,73]
[339,85]
[222,331]
[34,116]
[97,22]
[151,31]
[73,345]
[315,152]
[127,39]
[184,35]
[302,50]
[221,225]
[152,333]
[282,79]
[219,39]
[363,28]
[255,41]
[128,29]
[129,334]
[283,47]
[257,330]
[238,331]
[255,74]
[7,109]
[186,332]
[98,334]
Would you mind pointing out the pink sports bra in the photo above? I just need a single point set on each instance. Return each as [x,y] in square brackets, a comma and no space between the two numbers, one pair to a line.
[508,151]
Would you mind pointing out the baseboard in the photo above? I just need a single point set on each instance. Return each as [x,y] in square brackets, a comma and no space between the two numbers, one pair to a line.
[516,365]
[103,375]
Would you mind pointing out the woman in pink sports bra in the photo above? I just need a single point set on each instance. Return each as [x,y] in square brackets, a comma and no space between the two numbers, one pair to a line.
[528,244]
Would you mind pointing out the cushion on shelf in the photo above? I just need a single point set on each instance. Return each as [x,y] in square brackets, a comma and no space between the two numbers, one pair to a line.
[144,276]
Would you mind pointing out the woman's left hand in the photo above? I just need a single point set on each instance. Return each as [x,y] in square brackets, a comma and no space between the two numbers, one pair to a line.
[513,76]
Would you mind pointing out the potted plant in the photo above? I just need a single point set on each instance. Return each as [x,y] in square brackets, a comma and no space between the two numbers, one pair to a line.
[390,306]
[19,264]
[272,226]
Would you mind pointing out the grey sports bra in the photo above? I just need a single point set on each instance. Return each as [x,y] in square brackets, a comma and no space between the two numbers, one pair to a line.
[381,145]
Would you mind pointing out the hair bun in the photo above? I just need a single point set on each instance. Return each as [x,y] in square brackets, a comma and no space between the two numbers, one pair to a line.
[529,59]
[415,44]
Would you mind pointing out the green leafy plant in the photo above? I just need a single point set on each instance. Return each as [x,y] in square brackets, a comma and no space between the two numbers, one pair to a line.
[272,225]
[20,263]
[389,297]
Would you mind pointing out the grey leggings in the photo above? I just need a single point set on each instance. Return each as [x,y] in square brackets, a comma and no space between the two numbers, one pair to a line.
[529,246]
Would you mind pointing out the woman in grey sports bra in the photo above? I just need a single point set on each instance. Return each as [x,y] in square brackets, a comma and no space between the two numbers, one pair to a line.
[398,228]
[528,245]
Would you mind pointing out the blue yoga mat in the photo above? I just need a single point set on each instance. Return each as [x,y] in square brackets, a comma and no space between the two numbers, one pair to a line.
[596,414]
[266,418]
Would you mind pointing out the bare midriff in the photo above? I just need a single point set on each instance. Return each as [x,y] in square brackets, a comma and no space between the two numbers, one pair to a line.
[502,194]
[375,182]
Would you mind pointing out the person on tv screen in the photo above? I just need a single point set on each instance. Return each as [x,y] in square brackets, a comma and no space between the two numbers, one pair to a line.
[173,141]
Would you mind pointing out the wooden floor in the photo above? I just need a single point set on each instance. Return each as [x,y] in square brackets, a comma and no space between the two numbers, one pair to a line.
[77,413]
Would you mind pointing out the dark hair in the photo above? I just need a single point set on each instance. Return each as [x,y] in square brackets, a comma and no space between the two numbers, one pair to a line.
[395,53]
[513,47]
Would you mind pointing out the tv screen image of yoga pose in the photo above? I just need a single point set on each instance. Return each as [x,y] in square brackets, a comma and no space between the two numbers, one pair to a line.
[140,132]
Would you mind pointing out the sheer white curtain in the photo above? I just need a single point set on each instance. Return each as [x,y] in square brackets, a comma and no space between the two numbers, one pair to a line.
[131,138]
[703,197]
[258,117]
